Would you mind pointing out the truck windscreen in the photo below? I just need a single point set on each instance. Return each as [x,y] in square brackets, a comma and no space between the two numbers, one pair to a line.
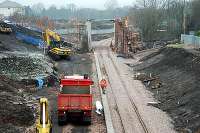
[75,90]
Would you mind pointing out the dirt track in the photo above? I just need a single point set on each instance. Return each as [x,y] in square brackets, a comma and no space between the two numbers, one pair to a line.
[80,64]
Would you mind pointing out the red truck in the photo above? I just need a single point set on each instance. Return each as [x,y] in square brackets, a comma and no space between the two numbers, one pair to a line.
[75,99]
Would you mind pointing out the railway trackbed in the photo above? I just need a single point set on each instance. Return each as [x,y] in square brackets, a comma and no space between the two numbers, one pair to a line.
[130,117]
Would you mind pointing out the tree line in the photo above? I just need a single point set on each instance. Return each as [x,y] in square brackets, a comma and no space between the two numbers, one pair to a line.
[165,19]
[72,11]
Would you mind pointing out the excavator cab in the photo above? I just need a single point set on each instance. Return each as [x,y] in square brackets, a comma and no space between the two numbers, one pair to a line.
[43,123]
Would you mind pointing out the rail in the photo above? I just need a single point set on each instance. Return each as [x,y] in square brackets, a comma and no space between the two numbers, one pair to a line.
[132,102]
[139,117]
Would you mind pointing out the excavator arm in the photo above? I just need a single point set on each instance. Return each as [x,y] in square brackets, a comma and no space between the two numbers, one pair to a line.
[43,124]
[48,34]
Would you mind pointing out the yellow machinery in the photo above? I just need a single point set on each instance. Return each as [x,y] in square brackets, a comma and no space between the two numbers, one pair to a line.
[4,28]
[43,123]
[55,49]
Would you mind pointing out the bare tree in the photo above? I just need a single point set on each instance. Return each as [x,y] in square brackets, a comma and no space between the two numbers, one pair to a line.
[195,15]
[146,17]
[159,19]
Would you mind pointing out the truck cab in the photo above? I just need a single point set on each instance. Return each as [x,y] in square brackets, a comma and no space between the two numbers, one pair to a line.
[75,99]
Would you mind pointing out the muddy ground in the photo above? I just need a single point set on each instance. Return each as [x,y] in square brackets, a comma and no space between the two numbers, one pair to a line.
[17,108]
[19,64]
[179,72]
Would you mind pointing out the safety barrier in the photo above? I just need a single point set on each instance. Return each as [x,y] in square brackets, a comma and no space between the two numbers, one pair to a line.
[30,40]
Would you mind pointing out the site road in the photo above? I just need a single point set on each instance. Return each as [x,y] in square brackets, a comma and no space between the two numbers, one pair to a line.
[126,116]
[79,64]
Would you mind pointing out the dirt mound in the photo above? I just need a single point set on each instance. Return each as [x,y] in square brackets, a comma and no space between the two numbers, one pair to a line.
[179,71]
[15,112]
[10,43]
[9,128]
[18,28]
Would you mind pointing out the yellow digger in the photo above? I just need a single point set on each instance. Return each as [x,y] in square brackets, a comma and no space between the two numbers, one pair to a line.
[54,45]
[43,123]
[4,28]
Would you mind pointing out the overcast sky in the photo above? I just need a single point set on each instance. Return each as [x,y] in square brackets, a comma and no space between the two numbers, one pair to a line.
[80,3]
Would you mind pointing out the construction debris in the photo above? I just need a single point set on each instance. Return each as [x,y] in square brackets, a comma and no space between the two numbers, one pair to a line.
[154,104]
[149,80]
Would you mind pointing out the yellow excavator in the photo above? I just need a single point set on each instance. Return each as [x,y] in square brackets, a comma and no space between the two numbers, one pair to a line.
[4,28]
[43,123]
[54,44]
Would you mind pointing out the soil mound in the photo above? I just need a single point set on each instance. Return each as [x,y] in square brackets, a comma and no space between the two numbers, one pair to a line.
[179,72]
[15,113]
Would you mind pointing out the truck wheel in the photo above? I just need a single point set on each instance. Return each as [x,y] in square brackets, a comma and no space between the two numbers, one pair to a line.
[68,58]
[87,120]
[86,76]
[54,56]
[61,121]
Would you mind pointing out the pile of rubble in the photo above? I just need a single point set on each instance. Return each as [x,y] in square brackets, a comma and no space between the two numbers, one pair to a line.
[20,67]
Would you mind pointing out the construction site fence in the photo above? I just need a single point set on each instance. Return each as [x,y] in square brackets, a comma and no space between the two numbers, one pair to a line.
[30,40]
[191,40]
